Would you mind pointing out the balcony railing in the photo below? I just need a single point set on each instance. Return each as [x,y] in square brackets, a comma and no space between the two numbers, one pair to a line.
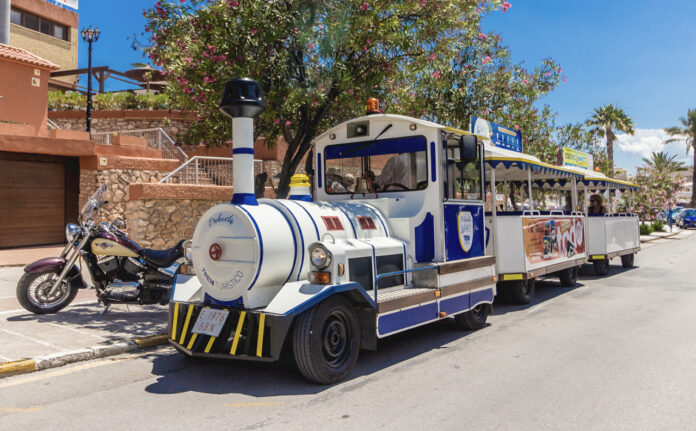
[206,170]
[156,138]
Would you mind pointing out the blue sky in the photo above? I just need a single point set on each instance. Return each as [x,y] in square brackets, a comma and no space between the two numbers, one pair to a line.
[638,54]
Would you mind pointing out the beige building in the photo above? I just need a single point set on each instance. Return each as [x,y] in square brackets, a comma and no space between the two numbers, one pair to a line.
[46,30]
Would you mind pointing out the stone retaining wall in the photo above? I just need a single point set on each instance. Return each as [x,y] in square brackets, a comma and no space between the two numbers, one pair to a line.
[118,182]
[159,215]
[172,123]
[161,223]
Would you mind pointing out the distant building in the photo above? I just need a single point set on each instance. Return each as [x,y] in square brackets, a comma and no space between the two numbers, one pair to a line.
[46,30]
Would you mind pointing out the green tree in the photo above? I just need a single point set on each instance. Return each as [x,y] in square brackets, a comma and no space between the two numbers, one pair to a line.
[317,61]
[686,133]
[655,192]
[663,164]
[604,122]
[480,79]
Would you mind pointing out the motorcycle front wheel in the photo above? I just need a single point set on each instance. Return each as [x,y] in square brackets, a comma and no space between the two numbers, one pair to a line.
[33,288]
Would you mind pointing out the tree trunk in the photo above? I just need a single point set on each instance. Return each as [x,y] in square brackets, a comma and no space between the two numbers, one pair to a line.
[610,151]
[693,181]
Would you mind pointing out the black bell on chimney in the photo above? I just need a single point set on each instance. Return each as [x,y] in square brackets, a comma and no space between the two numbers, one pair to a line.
[242,98]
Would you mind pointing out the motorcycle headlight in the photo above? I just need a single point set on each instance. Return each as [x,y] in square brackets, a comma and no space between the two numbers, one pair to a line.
[320,256]
[72,231]
[188,247]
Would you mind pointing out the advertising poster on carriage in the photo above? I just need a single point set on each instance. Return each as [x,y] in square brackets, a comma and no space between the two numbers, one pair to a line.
[547,239]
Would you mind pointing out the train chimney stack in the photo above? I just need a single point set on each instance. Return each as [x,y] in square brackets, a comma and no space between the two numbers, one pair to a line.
[242,101]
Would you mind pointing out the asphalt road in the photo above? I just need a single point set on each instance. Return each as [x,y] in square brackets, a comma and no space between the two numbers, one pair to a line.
[613,353]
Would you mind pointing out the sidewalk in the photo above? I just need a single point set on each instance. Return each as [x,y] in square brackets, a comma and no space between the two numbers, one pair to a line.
[73,334]
[657,235]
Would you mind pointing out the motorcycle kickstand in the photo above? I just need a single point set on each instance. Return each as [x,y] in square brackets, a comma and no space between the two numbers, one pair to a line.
[106,308]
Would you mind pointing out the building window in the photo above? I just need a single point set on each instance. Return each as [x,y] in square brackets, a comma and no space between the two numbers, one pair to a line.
[34,22]
[16,17]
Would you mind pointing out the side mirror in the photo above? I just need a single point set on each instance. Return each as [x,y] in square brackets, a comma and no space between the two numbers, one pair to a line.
[468,148]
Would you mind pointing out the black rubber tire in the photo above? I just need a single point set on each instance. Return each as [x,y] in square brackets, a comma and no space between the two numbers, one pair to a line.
[568,276]
[504,292]
[522,291]
[473,319]
[601,267]
[627,260]
[330,329]
[23,294]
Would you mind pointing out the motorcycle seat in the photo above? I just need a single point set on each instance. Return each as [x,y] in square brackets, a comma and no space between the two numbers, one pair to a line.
[163,258]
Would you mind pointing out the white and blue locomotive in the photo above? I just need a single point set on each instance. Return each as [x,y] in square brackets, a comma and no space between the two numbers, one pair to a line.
[393,240]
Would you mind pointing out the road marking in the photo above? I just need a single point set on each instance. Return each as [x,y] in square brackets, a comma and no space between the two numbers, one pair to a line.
[70,370]
[7,297]
[35,340]
[18,410]
[255,404]
[21,310]
[5,358]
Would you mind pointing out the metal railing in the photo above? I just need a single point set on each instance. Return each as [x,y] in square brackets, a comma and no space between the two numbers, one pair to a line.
[206,170]
[156,138]
[395,273]
[51,124]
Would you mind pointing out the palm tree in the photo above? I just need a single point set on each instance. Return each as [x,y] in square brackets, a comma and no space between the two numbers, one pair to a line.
[604,121]
[663,164]
[687,133]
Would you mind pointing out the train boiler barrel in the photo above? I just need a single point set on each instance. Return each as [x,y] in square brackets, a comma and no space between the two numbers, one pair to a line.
[243,254]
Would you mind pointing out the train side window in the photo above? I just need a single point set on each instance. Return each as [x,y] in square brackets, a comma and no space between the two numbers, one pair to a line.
[463,178]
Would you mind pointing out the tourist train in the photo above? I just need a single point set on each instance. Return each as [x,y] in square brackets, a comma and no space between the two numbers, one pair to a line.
[394,232]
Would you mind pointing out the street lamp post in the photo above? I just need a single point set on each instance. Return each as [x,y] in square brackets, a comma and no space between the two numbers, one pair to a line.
[89,35]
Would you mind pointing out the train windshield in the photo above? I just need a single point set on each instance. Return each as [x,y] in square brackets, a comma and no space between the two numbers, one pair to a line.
[398,164]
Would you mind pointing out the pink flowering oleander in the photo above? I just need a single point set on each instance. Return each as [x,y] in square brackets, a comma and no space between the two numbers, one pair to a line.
[506,6]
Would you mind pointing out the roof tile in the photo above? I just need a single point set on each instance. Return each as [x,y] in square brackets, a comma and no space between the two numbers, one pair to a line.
[24,56]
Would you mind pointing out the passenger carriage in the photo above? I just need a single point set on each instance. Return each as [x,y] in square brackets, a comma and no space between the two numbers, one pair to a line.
[612,234]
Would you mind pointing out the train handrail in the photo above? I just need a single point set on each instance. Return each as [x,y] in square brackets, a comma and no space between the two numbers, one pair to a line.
[531,213]
[402,272]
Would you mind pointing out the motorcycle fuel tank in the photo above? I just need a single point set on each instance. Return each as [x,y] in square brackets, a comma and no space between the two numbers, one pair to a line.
[106,244]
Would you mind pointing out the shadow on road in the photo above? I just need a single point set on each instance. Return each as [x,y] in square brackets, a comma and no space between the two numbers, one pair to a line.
[180,373]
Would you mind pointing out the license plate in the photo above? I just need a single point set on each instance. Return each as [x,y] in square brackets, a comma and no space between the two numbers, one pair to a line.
[210,322]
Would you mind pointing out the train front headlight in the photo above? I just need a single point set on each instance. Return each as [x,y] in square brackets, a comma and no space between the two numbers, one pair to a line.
[320,256]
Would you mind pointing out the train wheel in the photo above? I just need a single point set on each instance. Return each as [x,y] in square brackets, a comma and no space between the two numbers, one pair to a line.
[474,318]
[522,291]
[627,260]
[601,267]
[326,341]
[569,276]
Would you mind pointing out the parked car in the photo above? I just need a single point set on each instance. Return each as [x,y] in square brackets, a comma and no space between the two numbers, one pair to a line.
[686,218]
[668,214]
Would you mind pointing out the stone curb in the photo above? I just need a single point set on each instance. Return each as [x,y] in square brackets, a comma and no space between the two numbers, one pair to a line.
[656,237]
[59,359]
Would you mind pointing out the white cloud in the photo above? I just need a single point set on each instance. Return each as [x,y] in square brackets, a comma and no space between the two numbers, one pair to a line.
[630,149]
[643,142]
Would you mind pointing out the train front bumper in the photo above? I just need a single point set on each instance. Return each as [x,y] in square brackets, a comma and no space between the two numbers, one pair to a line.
[245,334]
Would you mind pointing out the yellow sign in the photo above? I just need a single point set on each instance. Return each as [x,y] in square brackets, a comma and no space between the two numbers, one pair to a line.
[577,158]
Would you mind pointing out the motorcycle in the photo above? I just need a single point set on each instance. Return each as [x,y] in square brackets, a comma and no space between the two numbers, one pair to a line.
[122,272]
